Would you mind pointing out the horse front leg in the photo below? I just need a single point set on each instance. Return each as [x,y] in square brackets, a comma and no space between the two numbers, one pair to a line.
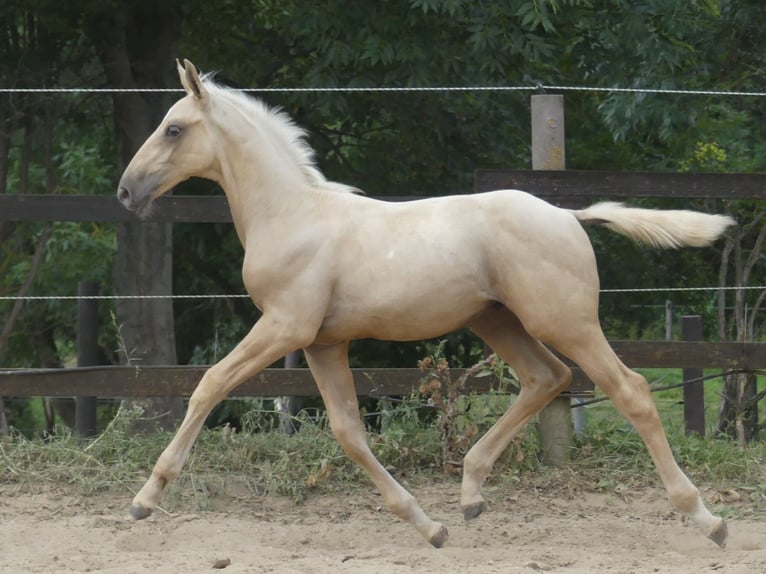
[329,365]
[267,341]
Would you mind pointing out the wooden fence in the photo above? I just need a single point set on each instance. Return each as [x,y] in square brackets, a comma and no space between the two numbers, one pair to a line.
[562,187]
[149,381]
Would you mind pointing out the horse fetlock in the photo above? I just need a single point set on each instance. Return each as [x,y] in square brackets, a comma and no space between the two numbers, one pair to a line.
[405,507]
[476,468]
[688,501]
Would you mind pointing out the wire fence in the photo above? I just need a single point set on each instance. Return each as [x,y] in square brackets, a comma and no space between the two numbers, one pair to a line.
[538,86]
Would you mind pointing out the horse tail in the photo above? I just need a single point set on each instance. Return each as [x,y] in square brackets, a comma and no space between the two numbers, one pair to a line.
[668,229]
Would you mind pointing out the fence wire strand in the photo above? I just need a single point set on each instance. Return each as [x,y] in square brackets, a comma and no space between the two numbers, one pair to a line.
[538,87]
[244,296]
[721,375]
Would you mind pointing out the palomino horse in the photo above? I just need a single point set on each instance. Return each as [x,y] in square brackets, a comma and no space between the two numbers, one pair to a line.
[326,266]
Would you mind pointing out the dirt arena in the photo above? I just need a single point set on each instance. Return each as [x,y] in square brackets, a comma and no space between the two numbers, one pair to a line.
[526,531]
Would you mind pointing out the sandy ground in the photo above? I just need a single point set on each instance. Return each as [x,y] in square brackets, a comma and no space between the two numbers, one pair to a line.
[527,531]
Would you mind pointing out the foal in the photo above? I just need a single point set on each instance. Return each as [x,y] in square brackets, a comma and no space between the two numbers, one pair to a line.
[327,266]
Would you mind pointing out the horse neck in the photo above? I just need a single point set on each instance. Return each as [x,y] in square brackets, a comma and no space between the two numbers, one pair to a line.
[261,184]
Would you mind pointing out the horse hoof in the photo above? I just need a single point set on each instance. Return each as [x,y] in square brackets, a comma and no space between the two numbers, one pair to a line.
[472,511]
[720,534]
[440,537]
[139,512]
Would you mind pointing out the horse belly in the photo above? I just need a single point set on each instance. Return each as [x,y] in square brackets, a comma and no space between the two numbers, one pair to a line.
[401,316]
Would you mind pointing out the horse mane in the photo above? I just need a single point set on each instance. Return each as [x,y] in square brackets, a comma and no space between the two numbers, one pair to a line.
[283,128]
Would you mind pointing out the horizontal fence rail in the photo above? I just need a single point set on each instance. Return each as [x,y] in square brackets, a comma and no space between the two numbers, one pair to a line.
[585,184]
[123,382]
[148,381]
[563,187]
[106,208]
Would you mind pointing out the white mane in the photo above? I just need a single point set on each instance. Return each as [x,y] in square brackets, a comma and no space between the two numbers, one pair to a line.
[282,128]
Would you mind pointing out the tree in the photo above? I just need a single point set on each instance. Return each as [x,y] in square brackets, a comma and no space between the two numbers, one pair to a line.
[32,43]
[387,144]
[738,412]
[136,43]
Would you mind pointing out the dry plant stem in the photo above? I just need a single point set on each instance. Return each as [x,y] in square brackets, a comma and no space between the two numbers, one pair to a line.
[452,444]
[107,430]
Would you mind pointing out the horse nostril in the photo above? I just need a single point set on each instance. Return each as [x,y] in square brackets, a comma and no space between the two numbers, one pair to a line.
[123,195]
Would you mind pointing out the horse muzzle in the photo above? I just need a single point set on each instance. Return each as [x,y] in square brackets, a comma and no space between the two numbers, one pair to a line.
[135,195]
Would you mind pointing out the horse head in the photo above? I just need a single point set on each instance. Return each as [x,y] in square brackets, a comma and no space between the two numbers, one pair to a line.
[180,148]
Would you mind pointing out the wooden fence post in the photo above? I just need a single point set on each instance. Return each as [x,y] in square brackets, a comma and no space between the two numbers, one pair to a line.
[288,406]
[694,392]
[548,152]
[87,354]
[668,320]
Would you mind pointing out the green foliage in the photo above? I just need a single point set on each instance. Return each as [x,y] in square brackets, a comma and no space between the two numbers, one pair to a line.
[82,169]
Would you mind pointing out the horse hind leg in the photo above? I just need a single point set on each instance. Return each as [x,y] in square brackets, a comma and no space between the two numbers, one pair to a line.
[631,395]
[542,377]
[329,365]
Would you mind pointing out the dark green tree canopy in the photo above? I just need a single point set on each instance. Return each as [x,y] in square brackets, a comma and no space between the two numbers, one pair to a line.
[423,143]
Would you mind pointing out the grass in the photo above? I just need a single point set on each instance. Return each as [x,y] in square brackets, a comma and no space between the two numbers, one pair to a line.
[267,463]
[669,402]
[608,456]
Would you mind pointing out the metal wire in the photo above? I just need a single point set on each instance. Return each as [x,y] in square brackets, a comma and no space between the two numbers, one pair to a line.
[682,289]
[243,296]
[405,89]
[585,403]
[114,297]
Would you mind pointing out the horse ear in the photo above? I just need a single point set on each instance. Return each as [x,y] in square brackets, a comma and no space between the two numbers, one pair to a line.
[190,80]
[182,76]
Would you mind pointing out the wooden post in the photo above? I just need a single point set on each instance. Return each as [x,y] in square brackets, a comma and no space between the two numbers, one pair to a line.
[694,393]
[668,320]
[548,152]
[288,406]
[87,354]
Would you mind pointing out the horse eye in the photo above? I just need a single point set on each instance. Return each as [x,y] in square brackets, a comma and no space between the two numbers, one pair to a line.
[173,131]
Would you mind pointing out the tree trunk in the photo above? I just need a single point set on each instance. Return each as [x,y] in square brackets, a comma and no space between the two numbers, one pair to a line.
[137,43]
[738,408]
